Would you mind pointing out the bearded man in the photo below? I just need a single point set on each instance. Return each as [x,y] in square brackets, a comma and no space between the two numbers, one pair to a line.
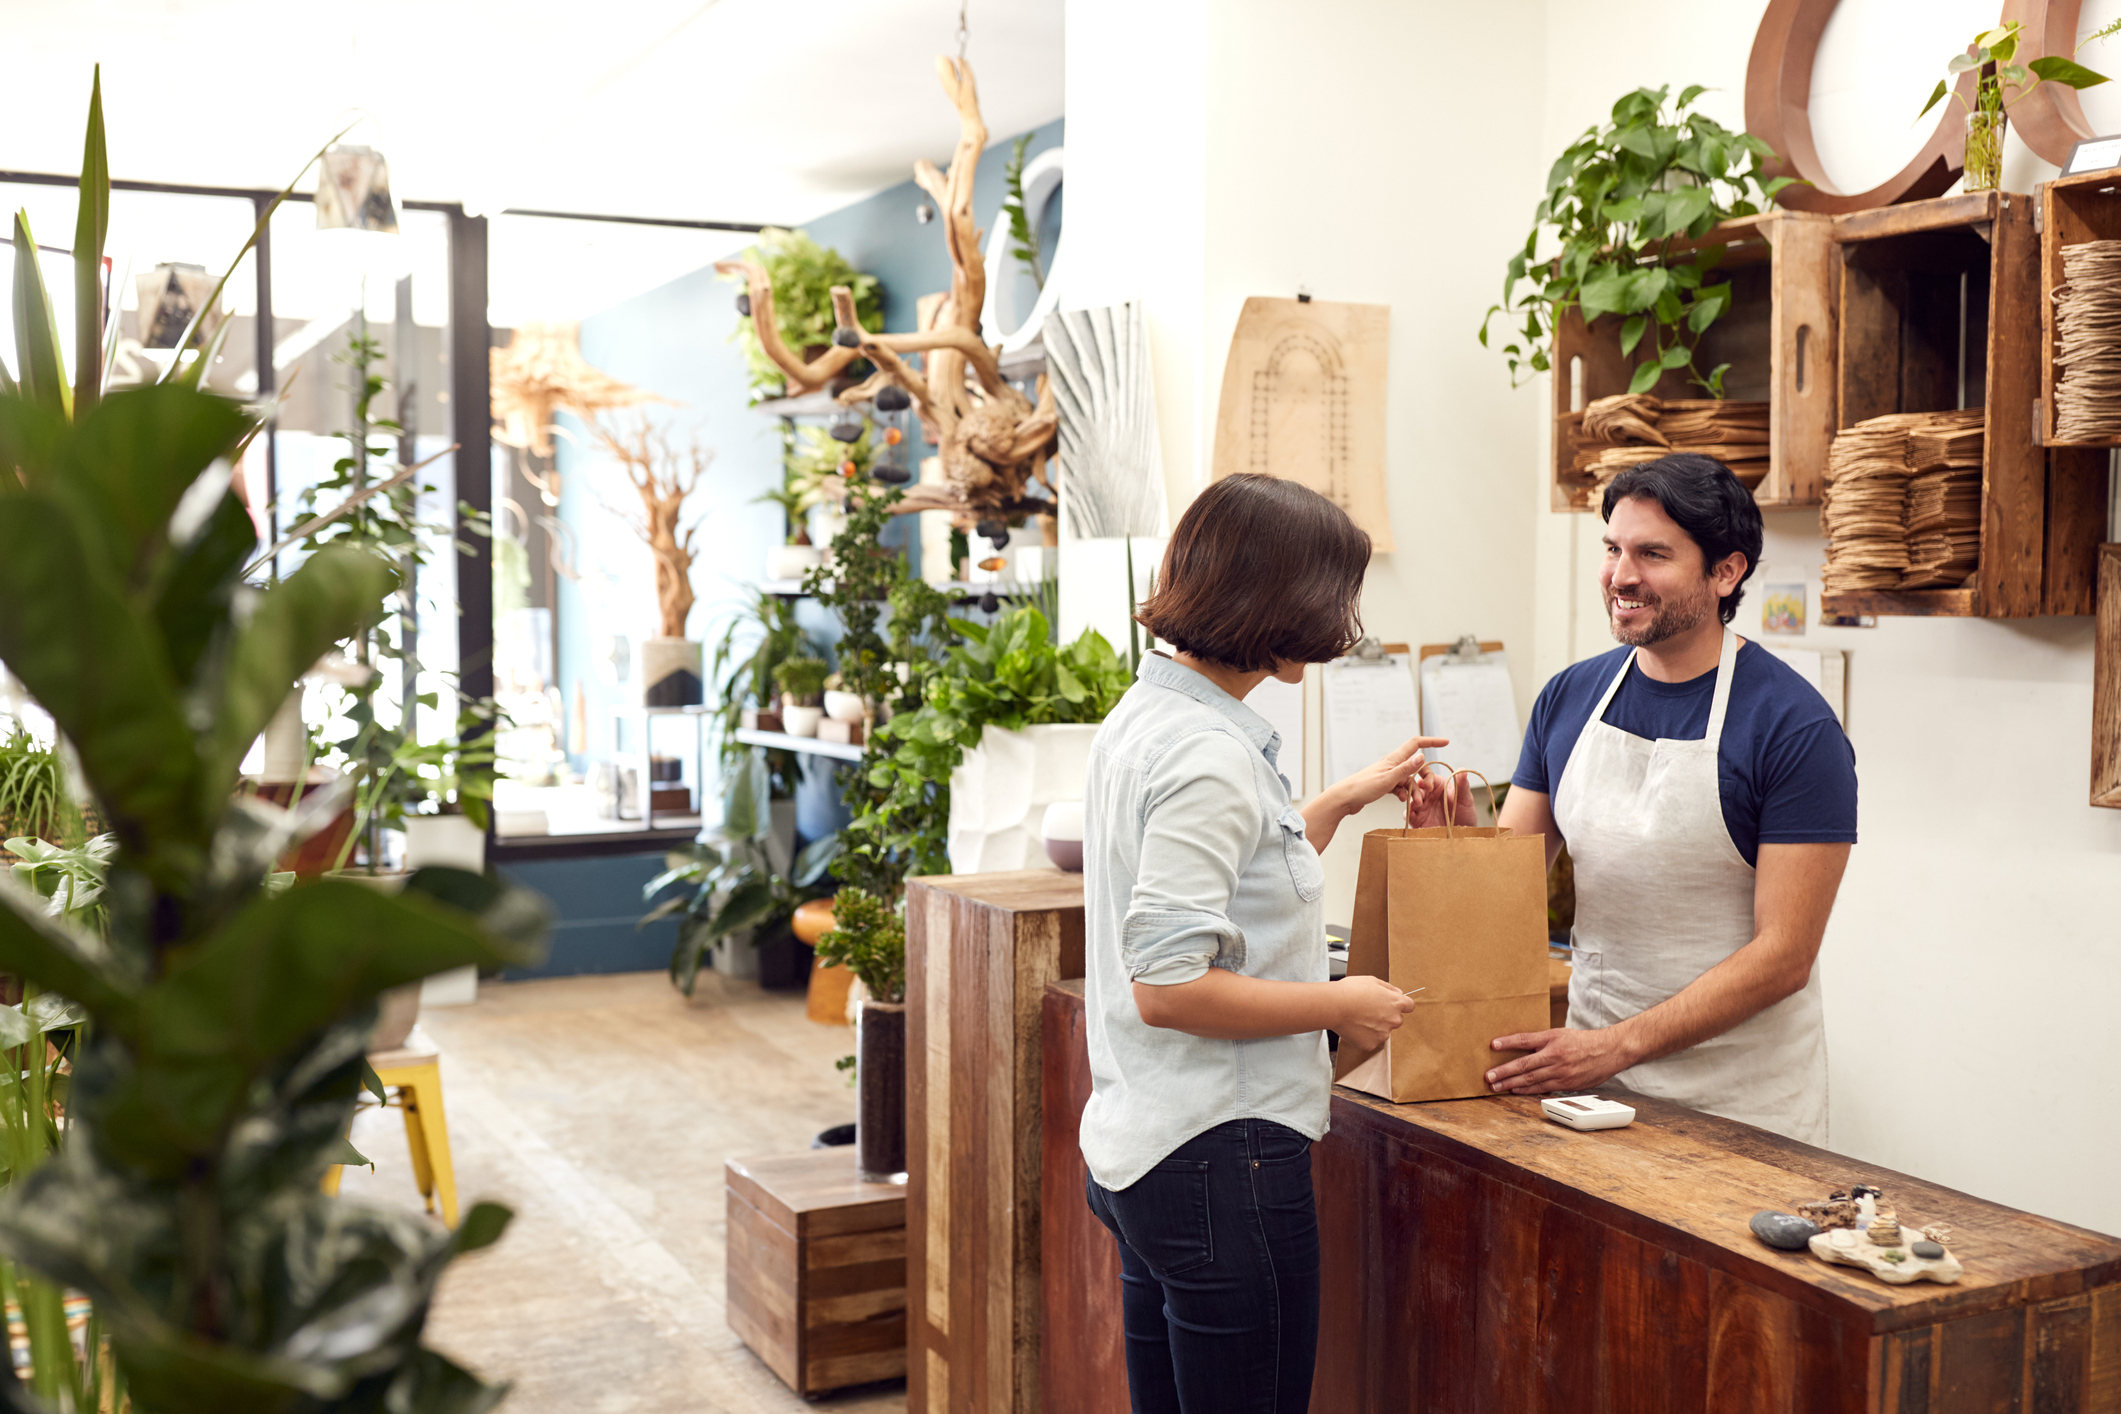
[1707,797]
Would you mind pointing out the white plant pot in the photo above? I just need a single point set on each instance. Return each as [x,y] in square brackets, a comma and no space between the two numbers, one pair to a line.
[1000,791]
[445,841]
[285,740]
[737,956]
[1062,834]
[670,672]
[843,706]
[792,561]
[801,721]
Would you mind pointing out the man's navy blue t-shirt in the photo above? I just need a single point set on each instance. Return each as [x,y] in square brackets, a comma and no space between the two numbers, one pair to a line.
[1785,770]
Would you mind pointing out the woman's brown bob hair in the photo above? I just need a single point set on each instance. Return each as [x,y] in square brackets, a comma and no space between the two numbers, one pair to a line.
[1260,571]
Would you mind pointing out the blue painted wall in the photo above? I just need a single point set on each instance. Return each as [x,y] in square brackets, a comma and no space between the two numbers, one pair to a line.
[596,903]
[674,341]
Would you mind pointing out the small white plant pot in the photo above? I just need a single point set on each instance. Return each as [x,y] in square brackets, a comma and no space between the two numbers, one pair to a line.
[452,841]
[801,721]
[843,706]
[1062,833]
[792,561]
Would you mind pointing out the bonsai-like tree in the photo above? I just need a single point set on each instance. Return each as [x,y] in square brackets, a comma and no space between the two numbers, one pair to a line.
[994,440]
[664,480]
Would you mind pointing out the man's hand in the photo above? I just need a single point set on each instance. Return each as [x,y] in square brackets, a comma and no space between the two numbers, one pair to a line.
[1372,1009]
[1560,1060]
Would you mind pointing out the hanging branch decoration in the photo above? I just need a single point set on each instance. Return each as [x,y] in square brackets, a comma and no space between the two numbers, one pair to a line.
[664,481]
[994,440]
[543,371]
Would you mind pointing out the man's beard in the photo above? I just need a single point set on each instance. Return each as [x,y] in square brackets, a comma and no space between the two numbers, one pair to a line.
[1669,619]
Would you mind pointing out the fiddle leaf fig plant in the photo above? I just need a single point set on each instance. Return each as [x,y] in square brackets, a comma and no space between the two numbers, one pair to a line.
[1625,202]
[225,1021]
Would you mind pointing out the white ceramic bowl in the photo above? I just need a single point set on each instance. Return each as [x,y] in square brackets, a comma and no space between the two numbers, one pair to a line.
[792,561]
[801,721]
[843,706]
[1062,832]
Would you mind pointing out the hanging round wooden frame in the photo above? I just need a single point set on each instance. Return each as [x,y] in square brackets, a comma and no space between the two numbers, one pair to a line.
[2050,120]
[1778,94]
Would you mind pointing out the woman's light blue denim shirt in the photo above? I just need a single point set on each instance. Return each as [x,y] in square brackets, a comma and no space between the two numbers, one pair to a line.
[1194,857]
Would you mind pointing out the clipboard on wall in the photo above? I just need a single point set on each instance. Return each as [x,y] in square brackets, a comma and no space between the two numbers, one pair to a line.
[1369,705]
[1467,696]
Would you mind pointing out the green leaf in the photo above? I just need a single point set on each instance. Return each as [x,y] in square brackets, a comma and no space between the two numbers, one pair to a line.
[372,1082]
[1676,356]
[482,1226]
[1631,333]
[91,227]
[1702,313]
[57,955]
[335,592]
[1646,376]
[130,462]
[274,977]
[1691,92]
[2053,68]
[38,360]
[1960,63]
[816,857]
[348,1154]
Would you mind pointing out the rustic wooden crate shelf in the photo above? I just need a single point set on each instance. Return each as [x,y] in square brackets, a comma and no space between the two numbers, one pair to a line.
[2072,210]
[1938,311]
[1777,337]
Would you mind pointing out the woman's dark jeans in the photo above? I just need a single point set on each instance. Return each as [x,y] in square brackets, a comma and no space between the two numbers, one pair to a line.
[1218,1256]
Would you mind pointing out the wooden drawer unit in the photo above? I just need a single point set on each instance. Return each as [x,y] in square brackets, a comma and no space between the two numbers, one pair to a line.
[817,1269]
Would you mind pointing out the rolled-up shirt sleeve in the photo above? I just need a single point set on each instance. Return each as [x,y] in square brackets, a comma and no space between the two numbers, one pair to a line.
[1201,823]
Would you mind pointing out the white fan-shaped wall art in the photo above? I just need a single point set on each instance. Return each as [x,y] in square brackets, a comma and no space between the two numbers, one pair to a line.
[999,318]
[1111,462]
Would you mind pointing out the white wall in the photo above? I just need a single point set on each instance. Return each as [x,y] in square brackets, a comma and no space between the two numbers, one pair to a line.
[1976,948]
[1251,147]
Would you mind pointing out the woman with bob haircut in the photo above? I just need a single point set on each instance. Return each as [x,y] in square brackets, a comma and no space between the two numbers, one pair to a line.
[1207,986]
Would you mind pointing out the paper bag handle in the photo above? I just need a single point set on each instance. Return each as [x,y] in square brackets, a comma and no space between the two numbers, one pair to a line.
[1450,796]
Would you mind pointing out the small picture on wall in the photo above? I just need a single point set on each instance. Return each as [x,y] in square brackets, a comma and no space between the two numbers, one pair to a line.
[1782,609]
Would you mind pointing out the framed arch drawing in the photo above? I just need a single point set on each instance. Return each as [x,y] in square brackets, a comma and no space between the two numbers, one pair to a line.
[1303,398]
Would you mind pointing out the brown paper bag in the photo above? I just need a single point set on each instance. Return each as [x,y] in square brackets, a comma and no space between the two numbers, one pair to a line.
[1460,913]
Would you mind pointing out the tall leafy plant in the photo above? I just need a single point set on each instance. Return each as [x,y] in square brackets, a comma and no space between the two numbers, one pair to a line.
[1627,204]
[226,1023]
[803,274]
[33,798]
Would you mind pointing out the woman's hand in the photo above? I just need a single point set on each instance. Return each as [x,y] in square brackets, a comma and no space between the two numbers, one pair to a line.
[1395,773]
[1426,808]
[1371,1009]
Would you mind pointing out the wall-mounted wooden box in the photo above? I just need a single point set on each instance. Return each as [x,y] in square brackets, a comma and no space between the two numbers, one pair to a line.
[1939,310]
[2072,210]
[1777,337]
[2106,684]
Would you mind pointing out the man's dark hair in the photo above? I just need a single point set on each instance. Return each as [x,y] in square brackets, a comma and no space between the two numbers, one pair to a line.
[1706,501]
[1260,570]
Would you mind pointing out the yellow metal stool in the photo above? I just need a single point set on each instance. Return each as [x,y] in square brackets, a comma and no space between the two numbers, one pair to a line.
[412,1076]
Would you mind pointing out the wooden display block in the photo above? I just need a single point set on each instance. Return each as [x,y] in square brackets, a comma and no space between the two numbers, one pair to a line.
[2106,684]
[980,949]
[2072,210]
[1778,337]
[845,733]
[817,1269]
[1939,310]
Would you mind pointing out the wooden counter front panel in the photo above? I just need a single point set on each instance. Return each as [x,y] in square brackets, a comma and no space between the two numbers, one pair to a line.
[1083,1353]
[1446,1287]
[980,949]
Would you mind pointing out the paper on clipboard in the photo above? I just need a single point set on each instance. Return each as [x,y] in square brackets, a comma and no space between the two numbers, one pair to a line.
[1370,709]
[1474,705]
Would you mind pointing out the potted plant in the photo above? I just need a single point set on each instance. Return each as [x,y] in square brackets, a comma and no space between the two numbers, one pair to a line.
[1007,722]
[802,685]
[729,889]
[33,799]
[670,665]
[869,939]
[803,274]
[1993,54]
[756,640]
[226,1019]
[1629,201]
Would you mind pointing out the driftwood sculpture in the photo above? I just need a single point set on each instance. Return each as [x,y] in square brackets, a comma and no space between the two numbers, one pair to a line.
[994,440]
[663,482]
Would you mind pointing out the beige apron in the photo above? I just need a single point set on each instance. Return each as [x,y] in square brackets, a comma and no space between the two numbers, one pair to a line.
[1662,895]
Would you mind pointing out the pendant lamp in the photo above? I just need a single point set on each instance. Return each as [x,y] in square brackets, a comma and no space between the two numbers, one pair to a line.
[354,192]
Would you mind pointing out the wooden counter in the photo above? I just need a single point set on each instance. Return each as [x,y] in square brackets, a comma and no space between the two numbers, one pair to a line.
[1477,1257]
[980,949]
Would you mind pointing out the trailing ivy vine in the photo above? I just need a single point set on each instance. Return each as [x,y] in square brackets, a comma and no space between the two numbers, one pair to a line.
[1622,199]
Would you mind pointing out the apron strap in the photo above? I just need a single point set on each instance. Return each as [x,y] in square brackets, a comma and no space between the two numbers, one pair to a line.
[1720,703]
[1598,712]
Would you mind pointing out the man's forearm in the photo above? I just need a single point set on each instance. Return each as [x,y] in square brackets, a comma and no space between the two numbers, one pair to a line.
[1749,981]
[1228,1006]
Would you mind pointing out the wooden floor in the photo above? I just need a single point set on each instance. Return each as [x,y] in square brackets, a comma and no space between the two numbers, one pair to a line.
[600,1109]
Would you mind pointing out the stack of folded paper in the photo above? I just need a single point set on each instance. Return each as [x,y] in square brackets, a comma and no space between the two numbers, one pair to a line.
[1629,429]
[1943,506]
[1866,509]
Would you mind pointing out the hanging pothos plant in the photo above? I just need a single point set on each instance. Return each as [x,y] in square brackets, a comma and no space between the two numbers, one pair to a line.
[1621,198]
